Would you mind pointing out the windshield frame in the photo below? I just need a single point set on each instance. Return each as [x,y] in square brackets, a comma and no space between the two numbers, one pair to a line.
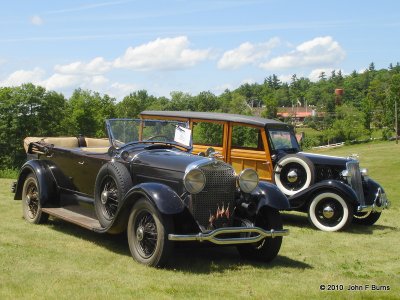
[141,126]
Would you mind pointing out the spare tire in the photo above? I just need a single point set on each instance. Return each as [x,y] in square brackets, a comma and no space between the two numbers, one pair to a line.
[294,173]
[112,183]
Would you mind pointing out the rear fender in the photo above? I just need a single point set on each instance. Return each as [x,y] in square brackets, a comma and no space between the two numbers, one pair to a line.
[270,195]
[163,197]
[46,182]
[301,199]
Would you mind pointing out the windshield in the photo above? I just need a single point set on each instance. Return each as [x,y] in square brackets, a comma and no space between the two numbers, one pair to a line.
[128,131]
[282,139]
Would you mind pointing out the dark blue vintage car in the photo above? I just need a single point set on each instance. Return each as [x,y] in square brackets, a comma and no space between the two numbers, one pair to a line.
[145,181]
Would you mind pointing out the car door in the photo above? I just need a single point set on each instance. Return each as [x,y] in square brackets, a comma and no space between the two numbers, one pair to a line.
[207,134]
[248,148]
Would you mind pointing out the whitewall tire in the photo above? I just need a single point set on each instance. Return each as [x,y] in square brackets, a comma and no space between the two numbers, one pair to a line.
[293,173]
[328,211]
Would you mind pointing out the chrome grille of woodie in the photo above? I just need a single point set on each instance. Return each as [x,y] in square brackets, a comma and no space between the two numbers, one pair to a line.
[213,207]
[354,179]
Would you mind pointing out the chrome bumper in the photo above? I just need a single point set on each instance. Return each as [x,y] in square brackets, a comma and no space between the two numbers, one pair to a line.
[380,203]
[212,236]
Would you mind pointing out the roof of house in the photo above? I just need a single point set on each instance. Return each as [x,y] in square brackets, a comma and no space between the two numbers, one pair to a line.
[251,120]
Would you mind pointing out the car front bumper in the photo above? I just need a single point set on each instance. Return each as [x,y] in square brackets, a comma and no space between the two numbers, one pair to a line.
[380,203]
[212,236]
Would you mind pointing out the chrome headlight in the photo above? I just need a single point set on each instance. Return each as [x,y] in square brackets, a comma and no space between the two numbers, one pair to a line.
[248,180]
[364,172]
[345,173]
[194,181]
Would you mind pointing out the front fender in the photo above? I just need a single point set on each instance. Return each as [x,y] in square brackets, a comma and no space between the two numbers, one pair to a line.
[46,182]
[162,196]
[302,198]
[270,195]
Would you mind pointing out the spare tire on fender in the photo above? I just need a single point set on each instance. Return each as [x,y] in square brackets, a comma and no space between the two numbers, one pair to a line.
[294,173]
[112,183]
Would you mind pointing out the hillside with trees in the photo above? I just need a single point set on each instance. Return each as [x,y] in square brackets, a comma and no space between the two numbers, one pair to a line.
[367,104]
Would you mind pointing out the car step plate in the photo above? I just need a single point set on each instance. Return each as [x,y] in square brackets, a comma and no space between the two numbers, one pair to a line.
[74,217]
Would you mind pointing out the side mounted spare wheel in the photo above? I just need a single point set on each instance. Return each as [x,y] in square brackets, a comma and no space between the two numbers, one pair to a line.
[328,211]
[294,173]
[31,206]
[112,183]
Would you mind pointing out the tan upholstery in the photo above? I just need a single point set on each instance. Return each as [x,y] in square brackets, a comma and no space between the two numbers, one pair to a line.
[93,145]
[63,142]
[90,142]
[95,149]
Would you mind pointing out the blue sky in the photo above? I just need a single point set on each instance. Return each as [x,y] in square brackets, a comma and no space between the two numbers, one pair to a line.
[119,46]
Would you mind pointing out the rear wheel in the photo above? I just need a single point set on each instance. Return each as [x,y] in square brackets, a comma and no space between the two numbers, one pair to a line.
[367,218]
[328,211]
[267,249]
[148,234]
[31,206]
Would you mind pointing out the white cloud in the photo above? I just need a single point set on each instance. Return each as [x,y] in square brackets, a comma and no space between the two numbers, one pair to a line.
[96,66]
[36,20]
[61,81]
[162,54]
[314,75]
[19,77]
[247,53]
[321,51]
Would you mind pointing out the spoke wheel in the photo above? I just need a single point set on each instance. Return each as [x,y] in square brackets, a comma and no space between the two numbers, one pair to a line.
[32,208]
[328,211]
[112,183]
[148,234]
[109,197]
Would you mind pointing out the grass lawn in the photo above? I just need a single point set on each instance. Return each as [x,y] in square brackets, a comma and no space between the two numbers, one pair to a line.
[60,260]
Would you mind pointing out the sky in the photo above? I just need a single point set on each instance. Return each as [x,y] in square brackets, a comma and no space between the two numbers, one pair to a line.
[121,46]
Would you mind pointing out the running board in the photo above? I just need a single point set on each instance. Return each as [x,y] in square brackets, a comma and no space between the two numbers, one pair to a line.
[74,217]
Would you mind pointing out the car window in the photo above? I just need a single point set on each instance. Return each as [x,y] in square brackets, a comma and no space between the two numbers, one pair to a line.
[209,134]
[246,137]
[283,140]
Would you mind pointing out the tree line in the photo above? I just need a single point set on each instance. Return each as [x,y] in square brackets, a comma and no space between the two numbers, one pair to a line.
[367,103]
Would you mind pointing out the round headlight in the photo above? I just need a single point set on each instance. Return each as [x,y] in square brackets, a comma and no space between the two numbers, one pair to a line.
[248,180]
[364,172]
[194,181]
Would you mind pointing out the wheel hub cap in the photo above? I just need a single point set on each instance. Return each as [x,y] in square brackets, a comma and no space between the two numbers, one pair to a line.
[292,176]
[139,233]
[28,199]
[328,212]
[104,197]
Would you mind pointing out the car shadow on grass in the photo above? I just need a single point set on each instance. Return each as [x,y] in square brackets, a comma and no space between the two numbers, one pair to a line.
[188,257]
[205,260]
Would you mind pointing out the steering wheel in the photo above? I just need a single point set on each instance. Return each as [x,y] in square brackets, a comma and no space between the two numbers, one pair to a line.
[158,136]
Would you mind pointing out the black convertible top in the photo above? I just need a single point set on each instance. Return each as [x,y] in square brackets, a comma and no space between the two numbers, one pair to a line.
[257,121]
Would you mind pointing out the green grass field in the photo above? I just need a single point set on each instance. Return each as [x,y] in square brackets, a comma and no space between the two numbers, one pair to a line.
[60,260]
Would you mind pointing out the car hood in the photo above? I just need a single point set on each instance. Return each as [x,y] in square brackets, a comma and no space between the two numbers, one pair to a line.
[319,159]
[166,159]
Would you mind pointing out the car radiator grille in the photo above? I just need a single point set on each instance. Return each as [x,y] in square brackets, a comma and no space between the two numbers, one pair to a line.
[355,180]
[213,207]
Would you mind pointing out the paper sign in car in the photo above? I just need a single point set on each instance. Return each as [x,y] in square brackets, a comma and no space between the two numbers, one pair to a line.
[182,135]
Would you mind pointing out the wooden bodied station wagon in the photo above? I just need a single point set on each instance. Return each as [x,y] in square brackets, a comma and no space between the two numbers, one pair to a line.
[334,191]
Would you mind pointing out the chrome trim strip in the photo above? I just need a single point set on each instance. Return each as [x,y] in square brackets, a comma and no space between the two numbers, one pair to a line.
[212,236]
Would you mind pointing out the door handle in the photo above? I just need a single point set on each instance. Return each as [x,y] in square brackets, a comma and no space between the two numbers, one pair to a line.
[81,162]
